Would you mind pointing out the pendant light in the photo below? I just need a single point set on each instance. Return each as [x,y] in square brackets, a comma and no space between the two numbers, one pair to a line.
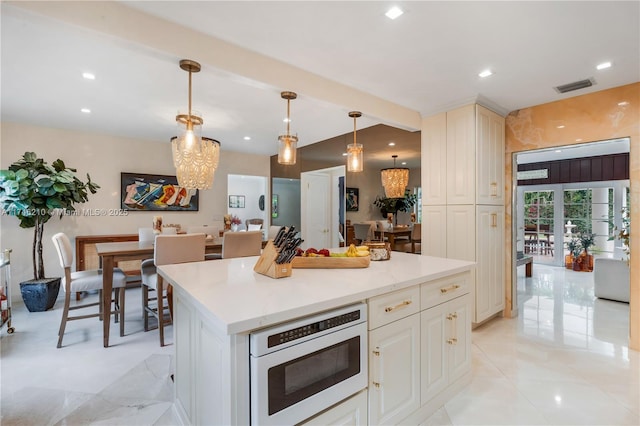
[395,180]
[194,157]
[287,142]
[355,151]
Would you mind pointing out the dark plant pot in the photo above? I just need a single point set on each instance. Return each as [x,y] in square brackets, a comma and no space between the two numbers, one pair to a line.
[40,295]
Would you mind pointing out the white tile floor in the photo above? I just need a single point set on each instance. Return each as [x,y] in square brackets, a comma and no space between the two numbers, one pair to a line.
[564,360]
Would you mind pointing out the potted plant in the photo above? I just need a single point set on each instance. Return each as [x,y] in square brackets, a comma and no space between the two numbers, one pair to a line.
[586,241]
[34,191]
[395,205]
[573,246]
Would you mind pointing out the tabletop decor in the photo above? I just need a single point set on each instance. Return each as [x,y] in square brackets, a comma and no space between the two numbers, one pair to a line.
[144,192]
[34,191]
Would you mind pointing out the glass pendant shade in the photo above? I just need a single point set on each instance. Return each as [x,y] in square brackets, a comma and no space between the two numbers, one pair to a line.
[195,160]
[194,157]
[287,143]
[287,147]
[355,157]
[355,151]
[394,180]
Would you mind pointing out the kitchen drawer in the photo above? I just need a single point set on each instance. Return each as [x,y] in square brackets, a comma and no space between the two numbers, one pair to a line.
[435,292]
[393,306]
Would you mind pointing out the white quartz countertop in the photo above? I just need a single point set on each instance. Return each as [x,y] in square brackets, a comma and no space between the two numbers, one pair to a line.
[239,300]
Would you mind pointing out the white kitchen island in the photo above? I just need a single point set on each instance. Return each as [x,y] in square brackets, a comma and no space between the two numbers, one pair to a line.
[217,304]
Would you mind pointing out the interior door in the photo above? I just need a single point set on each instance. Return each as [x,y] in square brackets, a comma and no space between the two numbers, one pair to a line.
[315,205]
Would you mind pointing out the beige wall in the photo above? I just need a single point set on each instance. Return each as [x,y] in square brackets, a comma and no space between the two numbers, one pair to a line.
[104,157]
[597,116]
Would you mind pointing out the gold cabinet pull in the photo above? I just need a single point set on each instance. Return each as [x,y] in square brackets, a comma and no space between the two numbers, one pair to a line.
[376,352]
[494,220]
[452,341]
[494,189]
[448,289]
[376,384]
[398,306]
[452,316]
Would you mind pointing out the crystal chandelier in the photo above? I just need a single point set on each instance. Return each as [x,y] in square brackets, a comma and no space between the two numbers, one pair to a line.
[354,151]
[194,157]
[287,142]
[395,180]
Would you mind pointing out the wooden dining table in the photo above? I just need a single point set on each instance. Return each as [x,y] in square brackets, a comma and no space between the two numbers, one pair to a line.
[112,253]
[392,234]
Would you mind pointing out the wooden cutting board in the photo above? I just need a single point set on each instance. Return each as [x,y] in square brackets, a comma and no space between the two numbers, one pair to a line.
[331,262]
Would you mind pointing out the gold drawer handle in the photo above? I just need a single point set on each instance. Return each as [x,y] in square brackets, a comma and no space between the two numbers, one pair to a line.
[376,352]
[452,341]
[448,289]
[452,316]
[399,305]
[376,384]
[494,189]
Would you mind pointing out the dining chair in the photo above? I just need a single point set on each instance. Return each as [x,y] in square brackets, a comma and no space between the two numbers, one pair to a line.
[416,236]
[85,281]
[363,232]
[241,244]
[168,249]
[251,224]
[273,231]
[211,232]
[146,266]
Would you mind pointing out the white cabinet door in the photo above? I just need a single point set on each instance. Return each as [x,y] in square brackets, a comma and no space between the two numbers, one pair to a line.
[351,412]
[434,353]
[489,157]
[184,334]
[461,156]
[458,313]
[461,232]
[394,371]
[434,230]
[445,340]
[434,160]
[489,283]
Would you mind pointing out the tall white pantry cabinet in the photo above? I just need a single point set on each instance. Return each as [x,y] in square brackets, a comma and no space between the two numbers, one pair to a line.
[464,197]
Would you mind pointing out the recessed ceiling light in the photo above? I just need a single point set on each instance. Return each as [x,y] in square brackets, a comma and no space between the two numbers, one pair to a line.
[579,140]
[404,163]
[247,138]
[392,144]
[485,73]
[344,154]
[558,150]
[603,66]
[86,110]
[623,103]
[88,76]
[560,126]
[394,12]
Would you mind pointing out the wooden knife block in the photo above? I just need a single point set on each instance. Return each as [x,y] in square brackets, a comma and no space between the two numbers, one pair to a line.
[266,264]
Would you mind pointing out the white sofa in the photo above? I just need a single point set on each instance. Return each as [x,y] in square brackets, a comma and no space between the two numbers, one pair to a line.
[611,279]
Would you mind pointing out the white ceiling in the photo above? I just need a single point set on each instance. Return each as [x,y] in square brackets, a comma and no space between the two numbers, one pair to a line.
[427,60]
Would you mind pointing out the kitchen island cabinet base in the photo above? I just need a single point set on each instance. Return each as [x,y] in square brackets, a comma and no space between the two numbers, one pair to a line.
[215,315]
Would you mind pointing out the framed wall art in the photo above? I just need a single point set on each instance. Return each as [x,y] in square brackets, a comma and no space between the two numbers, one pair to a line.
[236,201]
[145,192]
[353,195]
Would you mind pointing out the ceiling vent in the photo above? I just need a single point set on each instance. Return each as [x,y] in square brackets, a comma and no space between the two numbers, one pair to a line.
[576,85]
